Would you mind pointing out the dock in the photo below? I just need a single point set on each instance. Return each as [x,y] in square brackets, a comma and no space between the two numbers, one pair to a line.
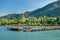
[15,28]
[31,29]
[42,29]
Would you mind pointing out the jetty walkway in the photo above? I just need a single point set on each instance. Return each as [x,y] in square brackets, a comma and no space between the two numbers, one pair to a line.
[31,29]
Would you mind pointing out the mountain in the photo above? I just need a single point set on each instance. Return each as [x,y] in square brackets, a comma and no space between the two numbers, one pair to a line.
[52,9]
[15,15]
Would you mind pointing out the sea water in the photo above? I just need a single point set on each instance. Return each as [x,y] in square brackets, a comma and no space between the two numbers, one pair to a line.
[20,35]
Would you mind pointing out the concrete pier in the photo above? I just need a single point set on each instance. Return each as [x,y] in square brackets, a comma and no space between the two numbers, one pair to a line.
[42,29]
[15,28]
[31,29]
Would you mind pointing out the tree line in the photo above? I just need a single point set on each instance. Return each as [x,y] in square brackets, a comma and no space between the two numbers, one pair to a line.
[32,21]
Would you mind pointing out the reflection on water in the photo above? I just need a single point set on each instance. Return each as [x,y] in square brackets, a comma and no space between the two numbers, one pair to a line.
[41,35]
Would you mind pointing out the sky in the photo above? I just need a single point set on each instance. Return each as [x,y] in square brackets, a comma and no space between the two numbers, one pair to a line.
[19,6]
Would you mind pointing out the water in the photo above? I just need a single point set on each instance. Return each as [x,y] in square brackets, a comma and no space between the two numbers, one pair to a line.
[41,35]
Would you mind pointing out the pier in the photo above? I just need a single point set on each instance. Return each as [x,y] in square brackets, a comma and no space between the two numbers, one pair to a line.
[31,29]
[42,29]
[15,28]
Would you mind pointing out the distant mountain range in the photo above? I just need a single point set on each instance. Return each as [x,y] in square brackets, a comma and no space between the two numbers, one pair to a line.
[52,9]
[16,15]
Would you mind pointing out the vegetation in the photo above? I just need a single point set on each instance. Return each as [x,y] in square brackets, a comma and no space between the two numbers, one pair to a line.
[36,17]
[32,21]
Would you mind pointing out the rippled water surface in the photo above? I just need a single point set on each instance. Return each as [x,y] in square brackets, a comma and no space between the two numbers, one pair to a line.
[41,35]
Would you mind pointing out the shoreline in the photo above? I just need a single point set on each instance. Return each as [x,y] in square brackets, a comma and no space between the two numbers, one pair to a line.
[27,25]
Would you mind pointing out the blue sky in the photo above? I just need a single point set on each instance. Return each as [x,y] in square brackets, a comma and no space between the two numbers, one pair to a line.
[18,6]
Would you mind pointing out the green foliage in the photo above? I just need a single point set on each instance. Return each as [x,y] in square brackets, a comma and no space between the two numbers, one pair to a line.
[32,21]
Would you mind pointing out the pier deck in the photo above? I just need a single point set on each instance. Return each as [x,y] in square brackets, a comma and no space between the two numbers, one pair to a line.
[31,29]
[42,29]
[15,28]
